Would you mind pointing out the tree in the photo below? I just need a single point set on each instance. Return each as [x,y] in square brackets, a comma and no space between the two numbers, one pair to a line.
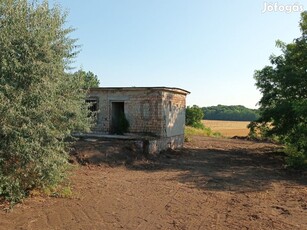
[194,116]
[283,106]
[89,79]
[230,113]
[40,104]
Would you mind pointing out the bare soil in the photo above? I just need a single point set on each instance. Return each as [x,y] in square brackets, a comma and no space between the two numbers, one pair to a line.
[210,184]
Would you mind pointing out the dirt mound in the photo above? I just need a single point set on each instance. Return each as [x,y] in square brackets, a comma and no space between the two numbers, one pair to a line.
[99,151]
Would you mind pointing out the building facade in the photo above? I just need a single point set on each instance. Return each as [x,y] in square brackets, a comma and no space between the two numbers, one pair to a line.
[157,112]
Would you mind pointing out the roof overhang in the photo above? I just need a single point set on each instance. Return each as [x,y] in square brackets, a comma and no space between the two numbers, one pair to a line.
[168,89]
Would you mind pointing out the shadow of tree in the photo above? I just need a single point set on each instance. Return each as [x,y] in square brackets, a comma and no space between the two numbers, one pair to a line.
[211,169]
[239,168]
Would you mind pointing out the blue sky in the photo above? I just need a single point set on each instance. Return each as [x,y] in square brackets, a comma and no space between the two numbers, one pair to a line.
[210,48]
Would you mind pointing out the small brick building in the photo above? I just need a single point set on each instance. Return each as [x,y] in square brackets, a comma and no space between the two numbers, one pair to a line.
[157,112]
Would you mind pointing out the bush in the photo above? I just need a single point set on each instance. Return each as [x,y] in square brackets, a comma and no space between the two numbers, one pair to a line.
[258,131]
[40,105]
[296,146]
[191,131]
[295,159]
[194,116]
[283,106]
[123,124]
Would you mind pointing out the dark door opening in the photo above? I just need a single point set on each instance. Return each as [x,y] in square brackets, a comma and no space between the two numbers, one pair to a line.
[117,114]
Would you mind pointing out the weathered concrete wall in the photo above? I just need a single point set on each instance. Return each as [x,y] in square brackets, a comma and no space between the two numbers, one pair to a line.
[155,146]
[173,114]
[164,143]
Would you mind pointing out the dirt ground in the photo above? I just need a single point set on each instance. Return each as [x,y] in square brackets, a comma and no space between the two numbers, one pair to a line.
[210,184]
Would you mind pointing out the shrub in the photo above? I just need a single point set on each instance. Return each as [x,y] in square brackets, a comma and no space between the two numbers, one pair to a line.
[40,105]
[194,116]
[191,131]
[283,85]
[123,124]
[295,159]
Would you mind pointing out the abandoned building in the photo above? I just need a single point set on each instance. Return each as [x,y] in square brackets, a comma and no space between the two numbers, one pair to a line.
[157,113]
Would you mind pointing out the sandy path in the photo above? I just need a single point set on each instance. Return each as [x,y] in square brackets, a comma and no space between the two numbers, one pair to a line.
[211,184]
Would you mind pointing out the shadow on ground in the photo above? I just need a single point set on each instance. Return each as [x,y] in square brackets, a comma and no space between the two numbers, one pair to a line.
[205,163]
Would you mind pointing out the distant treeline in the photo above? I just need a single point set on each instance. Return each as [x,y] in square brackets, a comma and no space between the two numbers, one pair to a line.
[230,113]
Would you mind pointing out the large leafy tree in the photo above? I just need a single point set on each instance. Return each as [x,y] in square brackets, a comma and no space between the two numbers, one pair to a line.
[89,79]
[283,106]
[40,104]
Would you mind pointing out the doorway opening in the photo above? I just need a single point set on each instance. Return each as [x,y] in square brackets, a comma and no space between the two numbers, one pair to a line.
[118,113]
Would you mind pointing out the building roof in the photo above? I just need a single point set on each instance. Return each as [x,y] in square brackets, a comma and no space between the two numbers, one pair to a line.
[160,88]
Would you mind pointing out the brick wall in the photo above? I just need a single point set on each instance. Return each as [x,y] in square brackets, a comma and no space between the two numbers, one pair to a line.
[150,110]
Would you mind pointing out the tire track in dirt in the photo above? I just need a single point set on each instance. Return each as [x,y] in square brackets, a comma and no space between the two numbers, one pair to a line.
[234,185]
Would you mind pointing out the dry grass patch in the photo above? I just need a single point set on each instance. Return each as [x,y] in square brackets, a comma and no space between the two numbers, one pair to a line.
[228,128]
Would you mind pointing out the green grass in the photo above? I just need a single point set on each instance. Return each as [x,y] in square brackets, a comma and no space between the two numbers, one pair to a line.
[191,131]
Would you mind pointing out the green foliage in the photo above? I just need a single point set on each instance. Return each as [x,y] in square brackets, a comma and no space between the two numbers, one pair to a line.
[87,79]
[40,104]
[258,130]
[283,106]
[194,116]
[59,191]
[205,131]
[194,125]
[296,158]
[230,113]
[123,126]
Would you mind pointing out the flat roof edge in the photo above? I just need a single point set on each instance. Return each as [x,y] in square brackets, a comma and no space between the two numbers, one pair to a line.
[171,89]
